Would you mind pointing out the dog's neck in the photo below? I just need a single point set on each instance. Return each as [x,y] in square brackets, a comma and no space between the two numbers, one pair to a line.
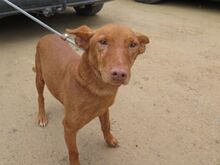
[90,78]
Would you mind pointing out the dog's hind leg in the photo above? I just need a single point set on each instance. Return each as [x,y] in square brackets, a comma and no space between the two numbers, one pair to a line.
[105,124]
[42,118]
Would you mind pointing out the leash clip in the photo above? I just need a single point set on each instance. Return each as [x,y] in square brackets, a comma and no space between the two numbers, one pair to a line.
[65,36]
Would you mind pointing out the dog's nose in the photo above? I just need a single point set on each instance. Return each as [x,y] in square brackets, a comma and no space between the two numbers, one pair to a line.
[118,74]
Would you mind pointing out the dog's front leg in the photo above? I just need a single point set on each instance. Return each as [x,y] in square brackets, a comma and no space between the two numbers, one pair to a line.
[70,138]
[106,128]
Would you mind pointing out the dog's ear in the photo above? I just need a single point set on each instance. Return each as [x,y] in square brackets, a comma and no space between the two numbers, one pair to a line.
[82,35]
[143,39]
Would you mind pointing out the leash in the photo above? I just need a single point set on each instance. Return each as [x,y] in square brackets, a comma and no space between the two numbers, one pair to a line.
[63,36]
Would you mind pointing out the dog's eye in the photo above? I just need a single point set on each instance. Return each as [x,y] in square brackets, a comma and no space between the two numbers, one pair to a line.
[132,45]
[103,42]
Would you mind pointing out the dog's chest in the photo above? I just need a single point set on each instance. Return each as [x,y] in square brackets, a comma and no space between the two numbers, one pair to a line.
[83,100]
[96,102]
[90,107]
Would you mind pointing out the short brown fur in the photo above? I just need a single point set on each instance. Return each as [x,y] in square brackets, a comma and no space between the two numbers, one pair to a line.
[86,85]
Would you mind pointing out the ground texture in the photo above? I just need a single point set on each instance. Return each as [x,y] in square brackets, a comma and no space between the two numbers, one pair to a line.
[169,114]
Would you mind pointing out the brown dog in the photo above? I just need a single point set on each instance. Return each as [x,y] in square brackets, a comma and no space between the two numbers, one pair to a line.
[86,85]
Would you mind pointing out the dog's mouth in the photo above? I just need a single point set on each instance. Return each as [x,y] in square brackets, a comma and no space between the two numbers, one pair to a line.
[107,79]
[119,83]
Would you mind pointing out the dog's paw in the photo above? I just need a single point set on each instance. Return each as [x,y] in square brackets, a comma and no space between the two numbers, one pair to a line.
[111,141]
[42,120]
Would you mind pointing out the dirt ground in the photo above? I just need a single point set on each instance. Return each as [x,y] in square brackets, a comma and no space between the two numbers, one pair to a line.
[169,114]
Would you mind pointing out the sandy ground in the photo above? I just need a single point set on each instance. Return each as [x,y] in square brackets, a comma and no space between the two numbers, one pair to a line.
[169,114]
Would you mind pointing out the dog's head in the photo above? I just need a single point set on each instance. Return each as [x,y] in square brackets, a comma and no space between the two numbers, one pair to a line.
[112,50]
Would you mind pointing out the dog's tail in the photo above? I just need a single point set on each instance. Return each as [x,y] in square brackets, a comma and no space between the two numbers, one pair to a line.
[34,69]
